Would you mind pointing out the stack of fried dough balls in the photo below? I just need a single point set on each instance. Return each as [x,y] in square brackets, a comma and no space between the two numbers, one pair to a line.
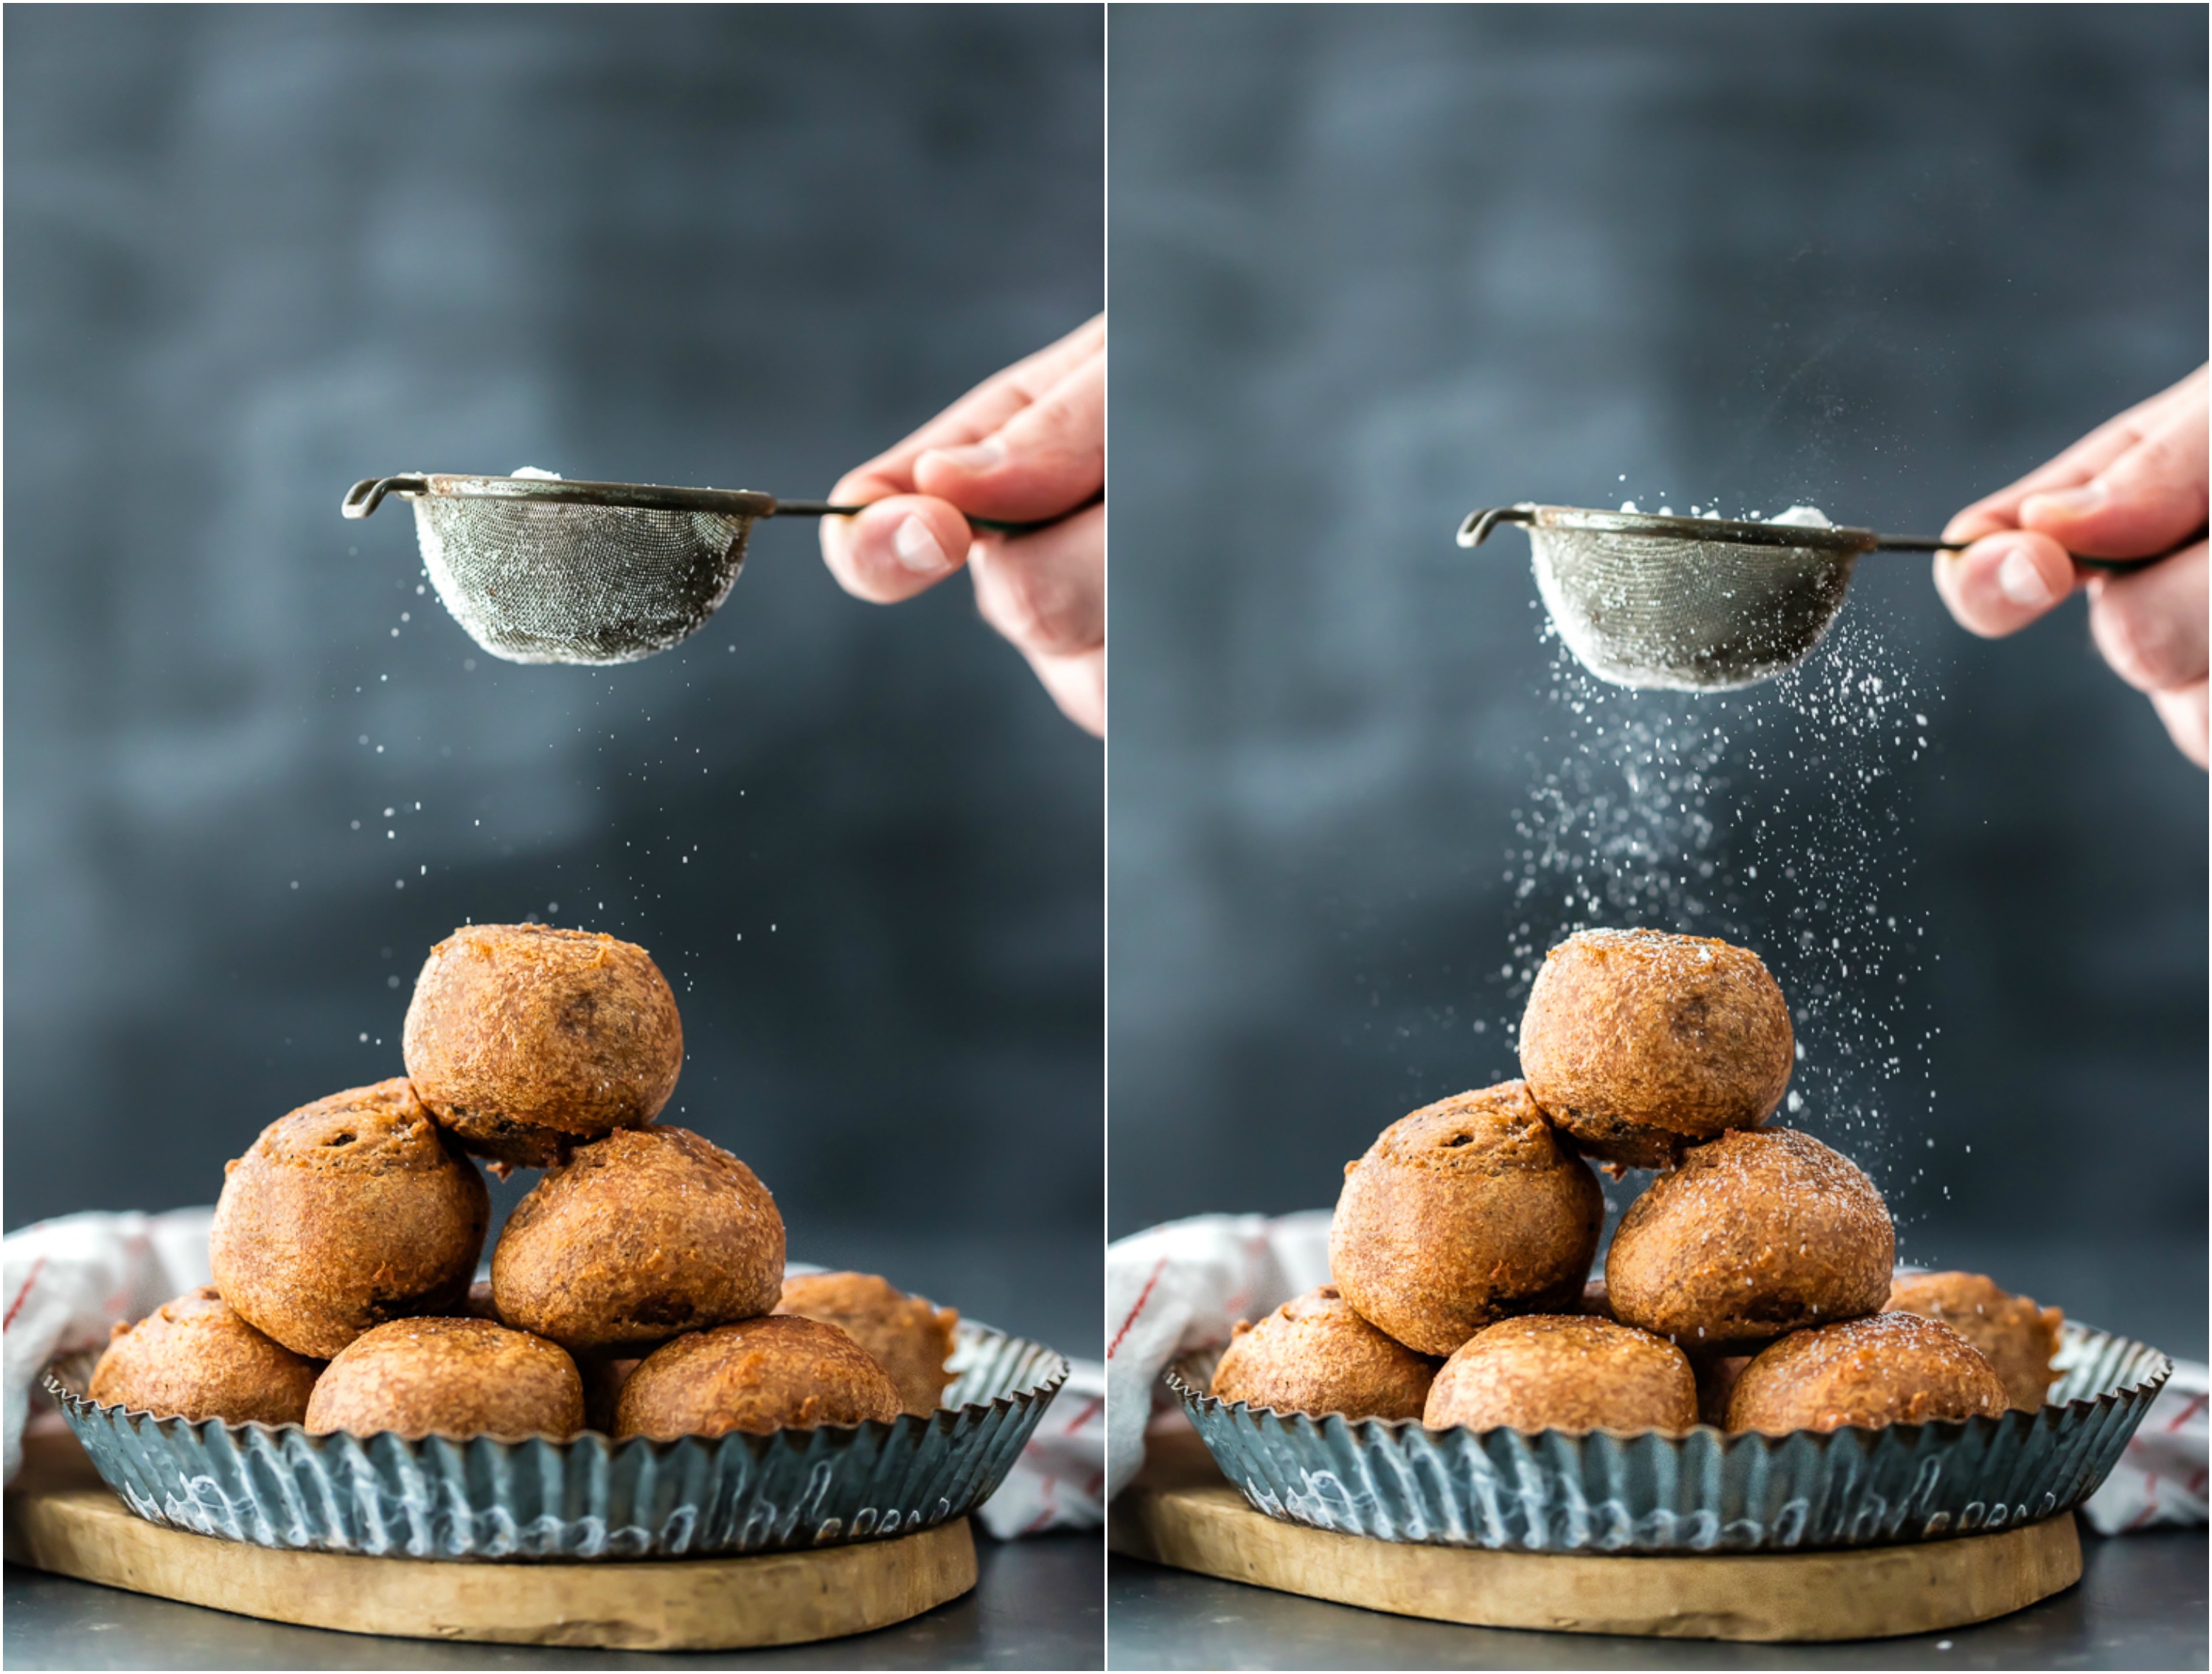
[1750,1287]
[638,1288]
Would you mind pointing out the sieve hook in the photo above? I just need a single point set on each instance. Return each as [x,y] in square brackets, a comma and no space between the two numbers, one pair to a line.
[366,495]
[1475,527]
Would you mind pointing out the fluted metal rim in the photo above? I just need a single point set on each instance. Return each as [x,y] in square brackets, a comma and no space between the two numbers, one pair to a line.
[481,1497]
[1705,1489]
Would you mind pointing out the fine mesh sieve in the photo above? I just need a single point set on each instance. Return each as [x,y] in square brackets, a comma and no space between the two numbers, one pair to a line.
[541,570]
[1694,603]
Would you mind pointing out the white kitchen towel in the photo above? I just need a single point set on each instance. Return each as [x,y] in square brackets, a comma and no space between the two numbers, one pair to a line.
[1183,1287]
[2161,1477]
[1059,1480]
[68,1282]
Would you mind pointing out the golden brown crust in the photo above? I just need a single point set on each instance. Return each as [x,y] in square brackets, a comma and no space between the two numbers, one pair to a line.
[781,1371]
[1638,1044]
[1564,1372]
[349,1212]
[1891,1368]
[639,1236]
[449,1377]
[1313,1355]
[1753,1235]
[1465,1211]
[2017,1338]
[194,1357]
[906,1336]
[522,1039]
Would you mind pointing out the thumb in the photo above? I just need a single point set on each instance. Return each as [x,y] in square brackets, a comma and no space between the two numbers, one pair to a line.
[1047,458]
[2143,504]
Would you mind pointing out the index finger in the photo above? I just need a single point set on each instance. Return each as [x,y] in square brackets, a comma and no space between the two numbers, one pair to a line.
[2077,464]
[2139,506]
[975,415]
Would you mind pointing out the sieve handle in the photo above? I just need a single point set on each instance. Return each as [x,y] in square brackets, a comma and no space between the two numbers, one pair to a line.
[824,508]
[2111,566]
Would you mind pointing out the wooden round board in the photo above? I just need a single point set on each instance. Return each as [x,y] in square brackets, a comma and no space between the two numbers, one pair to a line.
[62,1518]
[1182,1512]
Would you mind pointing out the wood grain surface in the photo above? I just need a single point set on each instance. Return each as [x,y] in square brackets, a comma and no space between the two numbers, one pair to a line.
[1182,1512]
[60,1517]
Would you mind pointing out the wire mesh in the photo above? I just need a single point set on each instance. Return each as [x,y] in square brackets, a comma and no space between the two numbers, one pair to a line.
[1654,611]
[544,582]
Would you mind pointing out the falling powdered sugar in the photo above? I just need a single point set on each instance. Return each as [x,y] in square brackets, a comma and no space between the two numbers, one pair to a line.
[1772,818]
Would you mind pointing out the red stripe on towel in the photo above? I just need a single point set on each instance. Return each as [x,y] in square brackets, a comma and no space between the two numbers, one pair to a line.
[1143,1297]
[16,1307]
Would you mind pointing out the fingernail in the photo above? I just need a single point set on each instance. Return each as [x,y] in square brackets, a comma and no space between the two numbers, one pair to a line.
[975,456]
[917,549]
[2019,580]
[2072,501]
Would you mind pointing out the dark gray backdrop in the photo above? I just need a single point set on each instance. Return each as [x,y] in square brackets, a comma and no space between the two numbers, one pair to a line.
[1374,266]
[253,253]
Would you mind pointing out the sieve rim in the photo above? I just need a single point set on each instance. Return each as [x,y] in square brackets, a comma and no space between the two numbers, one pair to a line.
[1476,528]
[364,497]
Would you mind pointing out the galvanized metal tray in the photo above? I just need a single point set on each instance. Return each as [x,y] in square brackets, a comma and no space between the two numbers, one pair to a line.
[590,1497]
[1706,1491]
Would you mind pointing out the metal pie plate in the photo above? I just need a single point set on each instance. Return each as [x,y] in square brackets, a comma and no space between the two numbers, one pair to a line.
[1704,1491]
[590,1497]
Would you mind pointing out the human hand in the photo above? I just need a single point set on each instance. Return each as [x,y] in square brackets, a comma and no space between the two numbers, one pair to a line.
[1027,445]
[2132,488]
